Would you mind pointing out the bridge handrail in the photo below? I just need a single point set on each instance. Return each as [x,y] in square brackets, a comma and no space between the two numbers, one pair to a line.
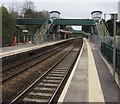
[48,29]
[44,30]
[36,35]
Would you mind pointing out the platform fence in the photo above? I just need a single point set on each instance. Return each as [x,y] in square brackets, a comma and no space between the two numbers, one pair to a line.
[105,44]
[107,51]
[97,39]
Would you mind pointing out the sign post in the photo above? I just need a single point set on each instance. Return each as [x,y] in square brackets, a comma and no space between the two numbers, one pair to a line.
[114,17]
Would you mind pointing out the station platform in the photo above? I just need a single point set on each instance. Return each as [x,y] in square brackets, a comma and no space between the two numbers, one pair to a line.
[8,51]
[90,80]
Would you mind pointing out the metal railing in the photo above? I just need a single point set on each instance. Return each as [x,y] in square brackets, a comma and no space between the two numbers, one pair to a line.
[49,28]
[97,39]
[107,51]
[44,31]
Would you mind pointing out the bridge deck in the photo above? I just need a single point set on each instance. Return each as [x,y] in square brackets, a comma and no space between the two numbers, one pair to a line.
[79,22]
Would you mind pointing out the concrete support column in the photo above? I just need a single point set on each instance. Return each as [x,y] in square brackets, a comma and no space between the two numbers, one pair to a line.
[24,39]
[114,46]
[92,31]
[53,36]
[18,40]
[65,36]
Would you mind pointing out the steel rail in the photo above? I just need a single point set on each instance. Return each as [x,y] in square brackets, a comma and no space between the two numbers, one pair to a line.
[35,63]
[18,97]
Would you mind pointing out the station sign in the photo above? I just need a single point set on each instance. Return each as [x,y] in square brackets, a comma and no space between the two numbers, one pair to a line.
[25,31]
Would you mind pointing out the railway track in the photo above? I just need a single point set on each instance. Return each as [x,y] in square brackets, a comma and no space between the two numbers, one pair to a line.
[48,87]
[19,68]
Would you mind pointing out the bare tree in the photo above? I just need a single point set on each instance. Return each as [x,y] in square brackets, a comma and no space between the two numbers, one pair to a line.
[28,5]
[46,14]
[15,8]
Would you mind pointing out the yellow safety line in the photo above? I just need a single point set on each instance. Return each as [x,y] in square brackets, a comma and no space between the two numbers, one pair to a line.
[95,90]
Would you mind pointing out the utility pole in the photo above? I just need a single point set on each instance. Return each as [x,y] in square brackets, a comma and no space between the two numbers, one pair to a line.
[105,17]
[114,17]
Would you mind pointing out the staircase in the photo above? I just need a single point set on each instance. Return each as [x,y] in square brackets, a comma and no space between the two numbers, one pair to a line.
[102,29]
[50,27]
[42,33]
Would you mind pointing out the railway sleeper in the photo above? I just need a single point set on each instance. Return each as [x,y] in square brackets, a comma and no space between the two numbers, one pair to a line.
[54,77]
[61,69]
[44,90]
[55,74]
[37,96]
[51,81]
[41,94]
[27,100]
[51,85]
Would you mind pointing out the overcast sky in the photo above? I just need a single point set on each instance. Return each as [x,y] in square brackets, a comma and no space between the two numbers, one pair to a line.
[74,8]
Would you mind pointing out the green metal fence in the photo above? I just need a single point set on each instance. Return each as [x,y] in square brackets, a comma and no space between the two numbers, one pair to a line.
[107,51]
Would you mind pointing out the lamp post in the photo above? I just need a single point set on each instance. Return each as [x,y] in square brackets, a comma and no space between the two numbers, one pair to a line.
[114,17]
[105,17]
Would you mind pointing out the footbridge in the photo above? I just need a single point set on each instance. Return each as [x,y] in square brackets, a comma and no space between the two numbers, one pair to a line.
[47,25]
